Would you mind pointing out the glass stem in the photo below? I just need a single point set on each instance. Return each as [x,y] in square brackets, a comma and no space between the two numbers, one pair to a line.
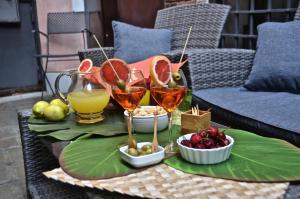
[170,128]
[131,142]
[129,124]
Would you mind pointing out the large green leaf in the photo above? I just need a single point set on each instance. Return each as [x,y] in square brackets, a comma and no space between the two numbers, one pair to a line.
[68,129]
[97,158]
[253,158]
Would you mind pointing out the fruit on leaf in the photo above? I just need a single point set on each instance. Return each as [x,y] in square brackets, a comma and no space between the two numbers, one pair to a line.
[38,108]
[85,66]
[54,113]
[118,73]
[160,70]
[60,103]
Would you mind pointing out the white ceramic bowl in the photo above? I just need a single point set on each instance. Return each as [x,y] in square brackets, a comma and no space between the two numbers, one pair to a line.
[145,160]
[145,124]
[205,156]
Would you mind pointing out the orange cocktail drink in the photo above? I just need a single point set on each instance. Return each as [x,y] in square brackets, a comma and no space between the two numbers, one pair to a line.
[167,89]
[168,98]
[128,87]
[129,96]
[129,99]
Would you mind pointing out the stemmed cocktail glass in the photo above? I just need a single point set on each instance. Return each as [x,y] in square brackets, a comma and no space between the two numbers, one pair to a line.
[169,96]
[129,96]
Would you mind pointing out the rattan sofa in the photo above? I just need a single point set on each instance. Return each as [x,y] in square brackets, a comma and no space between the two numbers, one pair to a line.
[218,76]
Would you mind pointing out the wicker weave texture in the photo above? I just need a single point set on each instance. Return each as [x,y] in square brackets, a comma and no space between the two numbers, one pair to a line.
[207,21]
[96,55]
[212,68]
[163,181]
[35,153]
[38,159]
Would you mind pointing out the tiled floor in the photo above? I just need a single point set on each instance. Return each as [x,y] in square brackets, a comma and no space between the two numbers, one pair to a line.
[12,179]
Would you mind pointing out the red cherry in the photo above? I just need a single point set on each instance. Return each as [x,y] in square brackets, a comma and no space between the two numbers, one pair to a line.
[222,135]
[199,146]
[195,139]
[186,143]
[203,134]
[221,142]
[213,131]
[226,142]
[209,143]
[213,135]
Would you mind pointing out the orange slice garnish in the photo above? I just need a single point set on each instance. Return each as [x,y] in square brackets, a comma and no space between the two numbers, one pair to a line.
[113,74]
[160,70]
[85,66]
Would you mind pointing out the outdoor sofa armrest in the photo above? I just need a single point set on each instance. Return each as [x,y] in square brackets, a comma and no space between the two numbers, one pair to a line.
[210,68]
[96,55]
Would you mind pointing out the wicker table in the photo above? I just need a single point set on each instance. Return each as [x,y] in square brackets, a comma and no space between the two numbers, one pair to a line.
[160,181]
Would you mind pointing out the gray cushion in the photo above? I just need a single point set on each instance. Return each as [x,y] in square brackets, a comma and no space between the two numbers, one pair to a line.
[134,44]
[279,109]
[276,64]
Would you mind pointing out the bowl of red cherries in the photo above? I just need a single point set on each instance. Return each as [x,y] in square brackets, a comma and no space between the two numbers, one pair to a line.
[209,146]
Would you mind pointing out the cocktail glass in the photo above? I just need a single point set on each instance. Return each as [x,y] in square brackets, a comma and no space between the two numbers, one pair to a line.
[169,96]
[129,96]
[85,95]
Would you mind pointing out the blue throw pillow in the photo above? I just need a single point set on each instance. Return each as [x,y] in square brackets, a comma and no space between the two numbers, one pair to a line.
[276,64]
[134,44]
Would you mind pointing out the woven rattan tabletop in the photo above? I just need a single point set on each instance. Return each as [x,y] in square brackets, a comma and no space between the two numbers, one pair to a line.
[162,181]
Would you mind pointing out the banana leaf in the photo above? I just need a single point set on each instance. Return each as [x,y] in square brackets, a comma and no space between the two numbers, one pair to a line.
[68,129]
[98,158]
[253,158]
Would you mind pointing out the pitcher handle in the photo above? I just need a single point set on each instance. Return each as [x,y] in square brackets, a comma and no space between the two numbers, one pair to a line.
[57,89]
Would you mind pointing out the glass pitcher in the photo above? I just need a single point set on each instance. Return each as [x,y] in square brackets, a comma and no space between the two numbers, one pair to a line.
[86,95]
